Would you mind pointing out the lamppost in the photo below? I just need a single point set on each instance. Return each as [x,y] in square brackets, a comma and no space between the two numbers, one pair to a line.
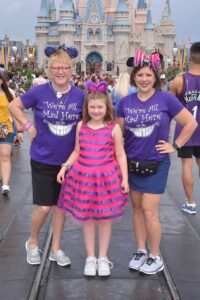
[15,49]
[174,52]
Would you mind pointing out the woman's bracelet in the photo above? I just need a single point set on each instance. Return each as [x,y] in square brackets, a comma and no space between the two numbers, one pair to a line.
[67,166]
[26,126]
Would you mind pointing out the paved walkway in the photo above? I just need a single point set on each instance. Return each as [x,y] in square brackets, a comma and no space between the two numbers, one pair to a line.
[180,248]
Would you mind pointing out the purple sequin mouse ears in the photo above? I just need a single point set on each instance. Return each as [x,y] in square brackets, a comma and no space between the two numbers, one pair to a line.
[153,60]
[101,87]
[52,49]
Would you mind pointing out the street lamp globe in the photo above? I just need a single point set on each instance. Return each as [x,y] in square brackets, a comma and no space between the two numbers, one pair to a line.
[14,49]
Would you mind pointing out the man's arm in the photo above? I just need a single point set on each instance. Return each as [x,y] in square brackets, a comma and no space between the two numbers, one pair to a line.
[176,86]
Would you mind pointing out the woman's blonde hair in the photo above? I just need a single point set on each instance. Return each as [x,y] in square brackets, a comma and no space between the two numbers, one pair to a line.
[109,117]
[122,86]
[60,56]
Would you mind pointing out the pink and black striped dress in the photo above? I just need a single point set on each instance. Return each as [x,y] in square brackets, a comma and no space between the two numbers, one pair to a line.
[92,187]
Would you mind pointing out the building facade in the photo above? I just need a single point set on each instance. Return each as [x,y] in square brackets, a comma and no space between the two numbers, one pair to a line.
[105,32]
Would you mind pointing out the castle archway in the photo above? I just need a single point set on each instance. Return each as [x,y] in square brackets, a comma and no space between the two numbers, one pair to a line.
[93,63]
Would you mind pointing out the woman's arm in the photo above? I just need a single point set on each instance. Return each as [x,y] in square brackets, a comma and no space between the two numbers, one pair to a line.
[186,120]
[120,121]
[16,108]
[121,156]
[72,158]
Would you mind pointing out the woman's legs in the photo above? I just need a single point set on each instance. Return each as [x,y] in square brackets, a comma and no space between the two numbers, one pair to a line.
[89,237]
[39,217]
[138,219]
[5,163]
[105,229]
[150,205]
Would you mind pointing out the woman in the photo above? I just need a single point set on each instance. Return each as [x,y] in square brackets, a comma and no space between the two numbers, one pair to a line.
[57,109]
[145,119]
[121,89]
[6,136]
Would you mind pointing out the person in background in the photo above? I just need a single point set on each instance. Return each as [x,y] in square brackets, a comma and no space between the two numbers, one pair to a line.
[145,119]
[57,107]
[121,89]
[187,89]
[6,136]
[94,190]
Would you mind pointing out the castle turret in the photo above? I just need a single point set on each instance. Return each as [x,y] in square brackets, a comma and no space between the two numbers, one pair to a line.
[149,34]
[121,30]
[53,11]
[167,28]
[66,24]
[140,16]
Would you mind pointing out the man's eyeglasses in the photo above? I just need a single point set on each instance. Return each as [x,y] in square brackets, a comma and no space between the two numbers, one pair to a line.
[63,69]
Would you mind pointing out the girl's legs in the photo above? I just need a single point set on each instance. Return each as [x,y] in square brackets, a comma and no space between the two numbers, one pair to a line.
[5,163]
[89,237]
[58,224]
[105,229]
[138,219]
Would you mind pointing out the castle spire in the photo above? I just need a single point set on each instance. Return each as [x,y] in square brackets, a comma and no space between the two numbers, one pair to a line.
[44,9]
[168,7]
[149,22]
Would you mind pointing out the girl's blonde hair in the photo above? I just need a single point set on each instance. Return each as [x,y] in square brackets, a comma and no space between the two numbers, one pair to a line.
[60,56]
[109,117]
[122,86]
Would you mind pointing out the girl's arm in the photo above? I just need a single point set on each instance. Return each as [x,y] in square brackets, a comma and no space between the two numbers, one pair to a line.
[121,156]
[72,158]
[120,121]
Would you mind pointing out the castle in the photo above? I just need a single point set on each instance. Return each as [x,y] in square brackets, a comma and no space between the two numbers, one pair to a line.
[105,32]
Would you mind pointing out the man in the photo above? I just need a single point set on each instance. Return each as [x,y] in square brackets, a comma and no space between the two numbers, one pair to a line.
[187,88]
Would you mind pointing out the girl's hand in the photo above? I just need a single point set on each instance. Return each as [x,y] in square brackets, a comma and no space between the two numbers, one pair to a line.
[20,137]
[125,186]
[164,147]
[32,132]
[61,175]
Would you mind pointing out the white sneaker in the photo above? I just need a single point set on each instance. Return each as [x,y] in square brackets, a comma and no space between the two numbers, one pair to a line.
[138,260]
[190,209]
[90,266]
[5,189]
[152,265]
[104,266]
[60,257]
[33,255]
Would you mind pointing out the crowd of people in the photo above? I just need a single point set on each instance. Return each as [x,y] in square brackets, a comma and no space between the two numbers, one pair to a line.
[114,133]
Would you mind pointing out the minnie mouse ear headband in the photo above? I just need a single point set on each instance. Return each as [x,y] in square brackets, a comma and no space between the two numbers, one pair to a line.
[153,60]
[92,87]
[52,49]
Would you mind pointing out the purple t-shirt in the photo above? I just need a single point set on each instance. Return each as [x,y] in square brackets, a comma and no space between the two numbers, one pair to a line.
[146,123]
[55,121]
[190,97]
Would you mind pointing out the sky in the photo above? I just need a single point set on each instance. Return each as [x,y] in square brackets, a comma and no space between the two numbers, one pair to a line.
[18,18]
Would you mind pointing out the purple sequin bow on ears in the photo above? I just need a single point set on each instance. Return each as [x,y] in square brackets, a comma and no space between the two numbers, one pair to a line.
[52,49]
[92,87]
[153,60]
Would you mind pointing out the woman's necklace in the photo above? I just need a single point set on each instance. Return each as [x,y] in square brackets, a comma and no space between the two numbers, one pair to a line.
[61,97]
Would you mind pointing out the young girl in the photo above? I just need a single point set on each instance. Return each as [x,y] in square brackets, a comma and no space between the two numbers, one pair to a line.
[95,188]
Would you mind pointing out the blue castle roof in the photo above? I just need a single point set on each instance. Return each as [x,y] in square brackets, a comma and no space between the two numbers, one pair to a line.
[44,9]
[142,4]
[149,23]
[98,4]
[122,6]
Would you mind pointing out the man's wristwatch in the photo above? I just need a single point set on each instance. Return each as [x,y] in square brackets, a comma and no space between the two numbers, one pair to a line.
[175,146]
[67,166]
